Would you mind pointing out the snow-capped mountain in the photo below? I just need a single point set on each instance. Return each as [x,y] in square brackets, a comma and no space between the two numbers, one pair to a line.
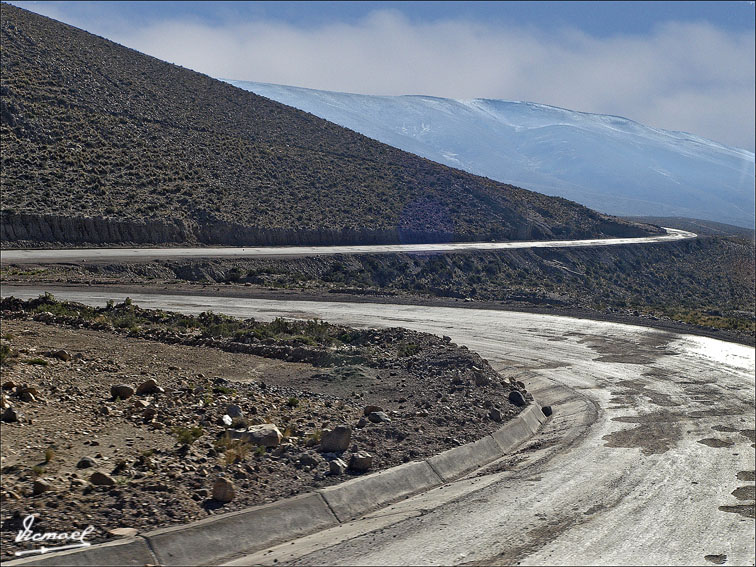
[607,163]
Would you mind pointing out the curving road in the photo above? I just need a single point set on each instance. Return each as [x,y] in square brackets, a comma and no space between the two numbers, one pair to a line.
[149,254]
[648,460]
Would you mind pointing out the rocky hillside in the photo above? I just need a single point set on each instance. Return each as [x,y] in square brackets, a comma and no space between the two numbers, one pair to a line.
[104,145]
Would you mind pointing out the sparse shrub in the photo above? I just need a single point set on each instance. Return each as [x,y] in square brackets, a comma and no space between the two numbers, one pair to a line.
[6,354]
[292,402]
[236,451]
[49,454]
[187,436]
[36,361]
[408,349]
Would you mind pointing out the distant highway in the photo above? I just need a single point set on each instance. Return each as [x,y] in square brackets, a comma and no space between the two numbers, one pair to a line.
[149,254]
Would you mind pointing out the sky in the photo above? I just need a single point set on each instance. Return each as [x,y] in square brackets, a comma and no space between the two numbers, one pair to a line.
[685,66]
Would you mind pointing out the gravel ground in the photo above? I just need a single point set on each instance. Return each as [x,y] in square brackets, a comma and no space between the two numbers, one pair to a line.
[433,394]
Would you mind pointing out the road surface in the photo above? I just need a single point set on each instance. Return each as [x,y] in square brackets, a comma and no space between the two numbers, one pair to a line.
[149,254]
[648,459]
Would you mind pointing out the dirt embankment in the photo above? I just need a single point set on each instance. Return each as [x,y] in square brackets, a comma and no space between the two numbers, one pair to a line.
[74,454]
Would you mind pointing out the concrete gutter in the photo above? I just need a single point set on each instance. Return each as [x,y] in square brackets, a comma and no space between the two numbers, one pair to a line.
[216,538]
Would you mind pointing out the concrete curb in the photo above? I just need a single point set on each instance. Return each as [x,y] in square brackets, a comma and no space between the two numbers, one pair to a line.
[207,541]
[355,497]
[130,551]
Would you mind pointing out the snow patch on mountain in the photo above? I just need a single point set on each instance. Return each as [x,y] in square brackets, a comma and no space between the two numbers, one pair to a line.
[607,163]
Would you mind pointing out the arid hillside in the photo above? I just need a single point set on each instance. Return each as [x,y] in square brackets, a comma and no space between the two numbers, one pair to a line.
[105,145]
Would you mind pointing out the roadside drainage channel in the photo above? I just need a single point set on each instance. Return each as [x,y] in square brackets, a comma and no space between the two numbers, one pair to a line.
[220,538]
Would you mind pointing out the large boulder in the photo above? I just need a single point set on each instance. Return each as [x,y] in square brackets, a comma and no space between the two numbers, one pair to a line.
[336,440]
[265,435]
[223,490]
[148,387]
[517,398]
[101,479]
[122,391]
[361,462]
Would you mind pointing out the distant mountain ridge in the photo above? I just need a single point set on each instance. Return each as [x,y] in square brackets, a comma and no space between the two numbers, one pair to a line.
[105,145]
[608,163]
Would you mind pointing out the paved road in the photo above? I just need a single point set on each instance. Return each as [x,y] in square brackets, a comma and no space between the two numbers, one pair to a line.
[646,461]
[149,254]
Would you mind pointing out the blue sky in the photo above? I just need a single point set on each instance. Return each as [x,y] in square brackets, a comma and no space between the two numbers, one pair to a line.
[674,65]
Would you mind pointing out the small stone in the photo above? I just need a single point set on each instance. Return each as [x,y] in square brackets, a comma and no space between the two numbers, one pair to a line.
[61,355]
[232,411]
[4,402]
[223,490]
[10,415]
[41,486]
[361,461]
[309,460]
[122,391]
[517,398]
[336,440]
[101,479]
[337,467]
[9,385]
[27,396]
[495,414]
[379,417]
[547,411]
[148,387]
[370,409]
[85,463]
[123,532]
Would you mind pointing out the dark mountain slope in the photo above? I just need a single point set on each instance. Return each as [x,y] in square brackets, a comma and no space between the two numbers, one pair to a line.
[102,144]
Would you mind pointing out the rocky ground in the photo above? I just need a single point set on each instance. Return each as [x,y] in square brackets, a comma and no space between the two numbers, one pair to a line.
[124,419]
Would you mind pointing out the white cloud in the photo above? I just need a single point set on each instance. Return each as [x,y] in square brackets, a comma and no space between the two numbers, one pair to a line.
[683,76]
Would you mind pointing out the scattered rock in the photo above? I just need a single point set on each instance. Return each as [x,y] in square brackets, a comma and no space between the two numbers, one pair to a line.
[122,391]
[309,460]
[123,532]
[379,417]
[547,411]
[266,435]
[336,440]
[41,486]
[60,355]
[337,467]
[232,410]
[148,387]
[370,409]
[10,415]
[517,398]
[495,414]
[361,462]
[101,479]
[85,463]
[223,490]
